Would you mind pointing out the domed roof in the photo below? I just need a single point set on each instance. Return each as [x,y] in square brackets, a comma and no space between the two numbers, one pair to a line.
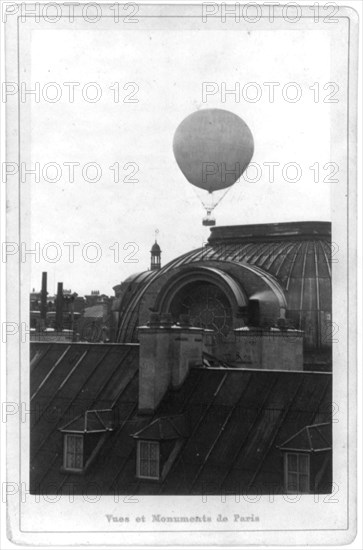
[155,249]
[136,278]
[297,255]
[289,251]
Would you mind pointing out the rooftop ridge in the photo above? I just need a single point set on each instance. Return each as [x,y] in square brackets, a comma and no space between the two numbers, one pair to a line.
[265,231]
[243,369]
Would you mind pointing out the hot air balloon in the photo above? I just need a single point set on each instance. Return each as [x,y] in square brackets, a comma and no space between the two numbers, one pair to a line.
[212,148]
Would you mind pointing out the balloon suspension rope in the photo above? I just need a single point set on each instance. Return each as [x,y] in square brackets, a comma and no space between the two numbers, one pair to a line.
[211,208]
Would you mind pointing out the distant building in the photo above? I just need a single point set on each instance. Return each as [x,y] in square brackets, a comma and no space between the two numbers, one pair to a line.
[95,298]
[94,325]
[68,316]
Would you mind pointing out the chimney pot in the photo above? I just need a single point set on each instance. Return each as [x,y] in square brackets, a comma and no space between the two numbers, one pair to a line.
[282,323]
[154,320]
[166,319]
[184,320]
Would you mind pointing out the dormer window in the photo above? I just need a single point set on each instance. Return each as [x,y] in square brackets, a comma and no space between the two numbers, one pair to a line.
[73,452]
[148,459]
[297,473]
[83,437]
[307,460]
[158,444]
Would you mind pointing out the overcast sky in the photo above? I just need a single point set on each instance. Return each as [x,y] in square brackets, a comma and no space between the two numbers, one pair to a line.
[169,67]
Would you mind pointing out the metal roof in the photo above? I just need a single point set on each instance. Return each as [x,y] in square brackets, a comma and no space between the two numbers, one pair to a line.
[237,418]
[298,256]
[270,230]
[66,380]
[155,249]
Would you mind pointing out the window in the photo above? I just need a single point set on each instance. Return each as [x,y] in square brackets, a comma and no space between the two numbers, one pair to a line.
[206,305]
[73,452]
[297,468]
[148,456]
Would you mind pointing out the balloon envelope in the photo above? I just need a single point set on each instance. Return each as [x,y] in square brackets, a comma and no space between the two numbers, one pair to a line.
[213,147]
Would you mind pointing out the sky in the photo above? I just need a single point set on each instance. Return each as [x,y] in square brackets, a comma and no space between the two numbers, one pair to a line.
[167,69]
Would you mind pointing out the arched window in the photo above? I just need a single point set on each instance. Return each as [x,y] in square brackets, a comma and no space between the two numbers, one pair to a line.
[206,305]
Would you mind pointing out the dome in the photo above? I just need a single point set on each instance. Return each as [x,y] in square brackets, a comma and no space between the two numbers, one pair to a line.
[278,269]
[136,278]
[155,249]
[126,290]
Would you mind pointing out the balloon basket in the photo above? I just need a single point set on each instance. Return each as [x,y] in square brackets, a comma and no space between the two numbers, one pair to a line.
[208,221]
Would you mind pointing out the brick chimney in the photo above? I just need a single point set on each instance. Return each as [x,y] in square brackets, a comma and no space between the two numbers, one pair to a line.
[59,307]
[272,349]
[167,351]
[43,307]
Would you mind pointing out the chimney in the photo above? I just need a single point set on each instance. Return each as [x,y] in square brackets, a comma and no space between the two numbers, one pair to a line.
[271,349]
[43,307]
[167,352]
[59,308]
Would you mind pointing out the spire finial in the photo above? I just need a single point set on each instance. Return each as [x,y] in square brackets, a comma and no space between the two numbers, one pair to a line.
[156,234]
